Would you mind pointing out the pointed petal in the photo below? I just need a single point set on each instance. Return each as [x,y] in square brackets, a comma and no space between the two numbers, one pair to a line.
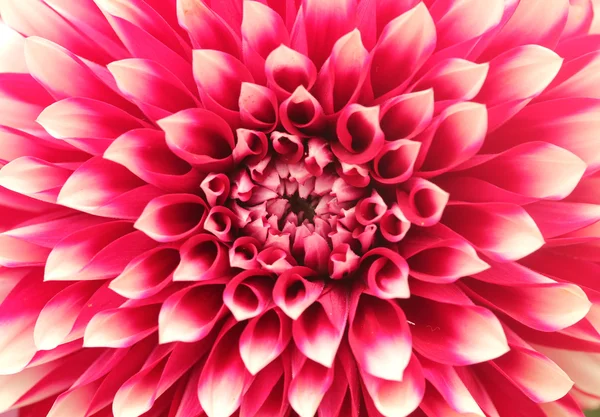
[308,387]
[293,293]
[248,294]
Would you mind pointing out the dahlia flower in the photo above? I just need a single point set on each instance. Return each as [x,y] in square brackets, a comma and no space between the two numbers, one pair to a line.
[299,208]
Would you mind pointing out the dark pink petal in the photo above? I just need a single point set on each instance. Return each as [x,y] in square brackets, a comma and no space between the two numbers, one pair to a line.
[343,397]
[406,115]
[145,153]
[221,221]
[207,29]
[216,188]
[341,78]
[91,253]
[454,334]
[275,259]
[87,124]
[152,87]
[219,77]
[395,397]
[514,79]
[316,252]
[258,107]
[405,44]
[248,294]
[301,114]
[293,293]
[425,202]
[182,318]
[308,387]
[394,225]
[386,273]
[396,160]
[533,169]
[203,257]
[267,394]
[243,253]
[34,177]
[201,138]
[319,156]
[121,327]
[251,147]
[147,274]
[104,188]
[16,253]
[501,231]
[359,135]
[172,217]
[342,261]
[224,379]
[370,210]
[264,339]
[380,338]
[289,147]
[319,329]
[456,135]
[445,262]
[286,70]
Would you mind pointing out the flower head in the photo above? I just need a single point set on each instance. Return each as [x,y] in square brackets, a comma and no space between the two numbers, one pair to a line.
[309,207]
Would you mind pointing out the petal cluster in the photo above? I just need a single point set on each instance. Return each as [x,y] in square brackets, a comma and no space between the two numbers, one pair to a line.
[299,208]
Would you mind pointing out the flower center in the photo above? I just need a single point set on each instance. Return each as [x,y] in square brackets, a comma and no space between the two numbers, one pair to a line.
[304,208]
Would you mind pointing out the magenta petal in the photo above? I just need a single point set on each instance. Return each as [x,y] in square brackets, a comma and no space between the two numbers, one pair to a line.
[395,162]
[34,177]
[287,70]
[386,273]
[379,338]
[308,386]
[248,294]
[359,136]
[293,293]
[425,202]
[406,115]
[258,107]
[203,257]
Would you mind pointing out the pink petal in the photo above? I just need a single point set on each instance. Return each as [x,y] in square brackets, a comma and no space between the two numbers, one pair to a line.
[404,45]
[201,138]
[152,87]
[359,135]
[308,386]
[224,379]
[395,162]
[342,261]
[91,253]
[258,107]
[379,338]
[393,226]
[248,294]
[576,78]
[267,394]
[243,253]
[526,70]
[454,334]
[220,221]
[34,177]
[203,257]
[319,329]
[301,114]
[147,274]
[425,202]
[172,217]
[183,319]
[385,273]
[501,231]
[580,18]
[121,327]
[145,153]
[264,339]
[293,293]
[395,397]
[406,115]
[286,70]
[12,54]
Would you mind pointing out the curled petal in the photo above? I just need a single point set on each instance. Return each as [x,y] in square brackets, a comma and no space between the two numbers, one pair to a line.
[121,327]
[395,161]
[293,293]
[201,138]
[355,175]
[275,259]
[341,78]
[251,147]
[406,115]
[319,329]
[258,107]
[316,252]
[34,177]
[216,188]
[359,135]
[501,231]
[243,253]
[308,387]
[394,397]
[287,70]
[289,147]
[152,87]
[425,202]
[145,153]
[370,210]
[393,224]
[248,294]
[404,45]
[96,252]
[220,221]
[224,379]
[386,273]
[515,78]
[379,338]
[301,114]
[457,135]
[342,261]
[87,124]
[454,334]
[264,339]
[147,274]
[183,319]
[172,217]
[203,257]
[445,262]
[104,188]
[220,77]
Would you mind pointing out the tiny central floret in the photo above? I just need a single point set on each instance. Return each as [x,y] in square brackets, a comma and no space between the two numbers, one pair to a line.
[304,208]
